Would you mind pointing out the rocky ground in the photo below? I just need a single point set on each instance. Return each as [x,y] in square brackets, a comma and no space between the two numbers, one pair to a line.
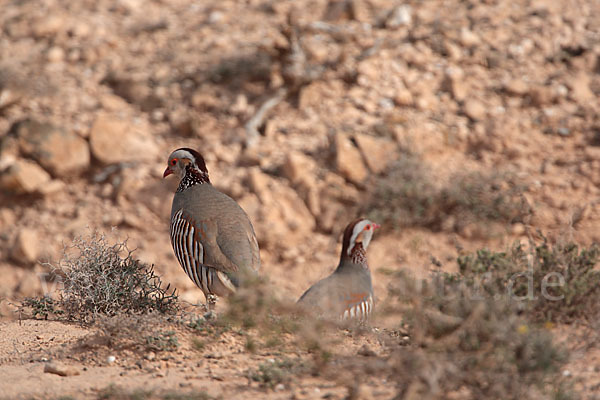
[94,95]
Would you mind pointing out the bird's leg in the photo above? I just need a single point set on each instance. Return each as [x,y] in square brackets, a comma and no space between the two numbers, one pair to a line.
[211,301]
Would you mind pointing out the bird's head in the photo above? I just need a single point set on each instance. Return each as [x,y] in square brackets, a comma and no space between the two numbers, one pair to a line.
[359,231]
[183,161]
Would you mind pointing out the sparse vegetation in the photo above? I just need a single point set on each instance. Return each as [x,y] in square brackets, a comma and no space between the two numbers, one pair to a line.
[407,195]
[139,332]
[557,283]
[105,279]
[484,330]
[198,344]
[162,341]
[274,372]
[255,306]
[463,332]
[476,342]
[40,307]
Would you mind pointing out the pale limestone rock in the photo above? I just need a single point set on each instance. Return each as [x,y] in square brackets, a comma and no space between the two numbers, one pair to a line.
[474,109]
[348,160]
[113,140]
[580,89]
[299,169]
[403,98]
[55,54]
[377,152]
[26,247]
[48,25]
[468,38]
[454,83]
[60,369]
[279,215]
[24,177]
[61,152]
[516,87]
[399,16]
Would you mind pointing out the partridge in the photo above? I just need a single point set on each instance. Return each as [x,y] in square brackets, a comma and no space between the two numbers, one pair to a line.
[348,292]
[211,234]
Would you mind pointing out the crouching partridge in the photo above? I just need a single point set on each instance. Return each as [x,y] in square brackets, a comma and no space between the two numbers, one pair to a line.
[348,292]
[211,235]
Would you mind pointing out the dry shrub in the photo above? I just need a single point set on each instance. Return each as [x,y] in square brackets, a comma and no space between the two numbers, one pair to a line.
[407,195]
[557,283]
[469,343]
[104,279]
[137,332]
[495,196]
[103,284]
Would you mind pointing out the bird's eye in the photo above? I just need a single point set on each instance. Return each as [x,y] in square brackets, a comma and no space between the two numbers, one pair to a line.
[368,227]
[174,162]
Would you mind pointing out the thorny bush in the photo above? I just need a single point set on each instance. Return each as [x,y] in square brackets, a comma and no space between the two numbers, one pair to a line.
[105,279]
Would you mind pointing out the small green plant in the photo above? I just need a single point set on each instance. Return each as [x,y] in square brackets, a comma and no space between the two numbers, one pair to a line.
[106,279]
[40,307]
[250,344]
[162,341]
[274,372]
[197,323]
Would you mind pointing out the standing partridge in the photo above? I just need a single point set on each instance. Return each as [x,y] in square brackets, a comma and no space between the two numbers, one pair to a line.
[348,292]
[211,235]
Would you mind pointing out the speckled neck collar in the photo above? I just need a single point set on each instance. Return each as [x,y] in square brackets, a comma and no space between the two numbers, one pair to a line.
[359,256]
[193,176]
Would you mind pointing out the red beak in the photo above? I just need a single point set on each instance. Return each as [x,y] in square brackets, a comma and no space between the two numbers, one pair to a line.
[167,172]
[375,226]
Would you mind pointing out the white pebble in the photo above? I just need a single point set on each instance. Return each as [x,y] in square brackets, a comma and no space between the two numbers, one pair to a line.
[111,359]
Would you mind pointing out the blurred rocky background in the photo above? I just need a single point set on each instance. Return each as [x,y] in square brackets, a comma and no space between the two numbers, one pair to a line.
[454,124]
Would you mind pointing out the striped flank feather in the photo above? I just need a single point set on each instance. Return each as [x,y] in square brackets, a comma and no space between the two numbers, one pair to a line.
[358,310]
[190,254]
